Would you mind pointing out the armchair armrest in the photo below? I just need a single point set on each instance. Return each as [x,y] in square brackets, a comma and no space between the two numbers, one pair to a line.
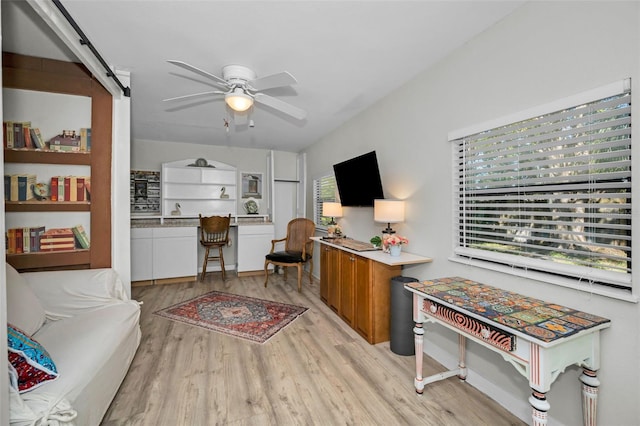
[274,242]
[67,293]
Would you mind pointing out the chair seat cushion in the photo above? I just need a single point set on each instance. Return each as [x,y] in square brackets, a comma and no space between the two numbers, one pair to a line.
[287,257]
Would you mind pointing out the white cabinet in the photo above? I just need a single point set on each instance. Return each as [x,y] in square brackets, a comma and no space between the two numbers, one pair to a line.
[190,190]
[254,242]
[141,254]
[164,252]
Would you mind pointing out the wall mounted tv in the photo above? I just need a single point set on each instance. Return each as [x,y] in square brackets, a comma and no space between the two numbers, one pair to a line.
[358,180]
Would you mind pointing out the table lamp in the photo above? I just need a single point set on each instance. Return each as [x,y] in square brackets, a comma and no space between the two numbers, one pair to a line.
[389,211]
[332,210]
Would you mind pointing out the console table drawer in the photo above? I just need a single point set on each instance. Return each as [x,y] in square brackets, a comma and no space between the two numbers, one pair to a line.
[488,333]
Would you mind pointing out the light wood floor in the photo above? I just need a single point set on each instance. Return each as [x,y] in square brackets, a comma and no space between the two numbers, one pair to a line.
[317,371]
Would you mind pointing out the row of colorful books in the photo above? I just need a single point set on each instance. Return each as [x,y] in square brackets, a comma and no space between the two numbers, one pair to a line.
[20,134]
[23,187]
[37,239]
[18,187]
[70,188]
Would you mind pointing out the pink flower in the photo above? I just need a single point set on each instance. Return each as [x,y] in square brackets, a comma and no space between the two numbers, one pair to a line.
[394,240]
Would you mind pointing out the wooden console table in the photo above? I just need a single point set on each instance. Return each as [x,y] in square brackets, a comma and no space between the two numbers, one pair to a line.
[538,338]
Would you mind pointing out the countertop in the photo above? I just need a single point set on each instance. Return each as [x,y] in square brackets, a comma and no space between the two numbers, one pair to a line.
[380,256]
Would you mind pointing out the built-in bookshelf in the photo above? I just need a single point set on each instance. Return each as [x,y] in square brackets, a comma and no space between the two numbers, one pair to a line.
[27,78]
[189,190]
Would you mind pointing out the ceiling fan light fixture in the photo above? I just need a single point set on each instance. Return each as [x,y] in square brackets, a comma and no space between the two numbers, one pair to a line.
[238,100]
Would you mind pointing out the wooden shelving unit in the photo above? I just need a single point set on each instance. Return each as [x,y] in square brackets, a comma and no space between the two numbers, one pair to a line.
[46,75]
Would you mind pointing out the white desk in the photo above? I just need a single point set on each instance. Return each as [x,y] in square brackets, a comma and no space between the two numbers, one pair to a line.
[538,338]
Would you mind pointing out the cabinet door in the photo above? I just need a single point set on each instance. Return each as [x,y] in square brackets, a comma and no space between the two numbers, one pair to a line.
[347,275]
[174,252]
[254,242]
[330,270]
[363,297]
[141,259]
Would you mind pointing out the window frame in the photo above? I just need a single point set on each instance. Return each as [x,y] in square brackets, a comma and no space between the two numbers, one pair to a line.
[532,268]
[318,199]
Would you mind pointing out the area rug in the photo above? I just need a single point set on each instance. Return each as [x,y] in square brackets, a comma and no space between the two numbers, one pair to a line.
[246,317]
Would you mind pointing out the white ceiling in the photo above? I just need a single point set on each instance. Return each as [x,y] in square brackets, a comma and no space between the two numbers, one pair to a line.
[346,55]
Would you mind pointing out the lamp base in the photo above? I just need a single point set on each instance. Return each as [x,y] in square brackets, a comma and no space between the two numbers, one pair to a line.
[388,229]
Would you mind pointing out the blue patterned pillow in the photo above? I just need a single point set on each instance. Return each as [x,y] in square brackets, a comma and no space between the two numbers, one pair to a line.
[30,364]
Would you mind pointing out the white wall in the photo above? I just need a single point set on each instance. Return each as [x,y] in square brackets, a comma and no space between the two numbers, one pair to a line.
[542,52]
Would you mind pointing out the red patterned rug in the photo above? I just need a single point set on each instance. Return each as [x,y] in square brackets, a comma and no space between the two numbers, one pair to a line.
[239,316]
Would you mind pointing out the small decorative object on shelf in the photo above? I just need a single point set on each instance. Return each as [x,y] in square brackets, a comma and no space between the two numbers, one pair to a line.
[392,243]
[177,211]
[67,141]
[201,162]
[251,206]
[40,191]
[223,193]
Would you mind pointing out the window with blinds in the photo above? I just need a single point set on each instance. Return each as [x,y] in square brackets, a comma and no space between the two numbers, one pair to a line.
[324,190]
[551,192]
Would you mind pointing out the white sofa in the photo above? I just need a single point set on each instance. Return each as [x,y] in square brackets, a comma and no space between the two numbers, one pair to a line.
[91,332]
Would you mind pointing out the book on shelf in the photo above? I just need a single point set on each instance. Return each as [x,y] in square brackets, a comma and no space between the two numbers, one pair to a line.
[53,189]
[25,182]
[85,139]
[11,241]
[80,188]
[57,246]
[7,134]
[57,239]
[57,233]
[19,241]
[60,188]
[18,139]
[35,232]
[36,138]
[13,187]
[81,236]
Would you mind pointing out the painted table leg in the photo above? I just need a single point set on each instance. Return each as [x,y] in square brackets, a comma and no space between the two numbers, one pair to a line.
[590,384]
[418,332]
[462,349]
[538,401]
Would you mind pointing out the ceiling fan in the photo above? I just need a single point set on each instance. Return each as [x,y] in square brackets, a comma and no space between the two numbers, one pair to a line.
[241,88]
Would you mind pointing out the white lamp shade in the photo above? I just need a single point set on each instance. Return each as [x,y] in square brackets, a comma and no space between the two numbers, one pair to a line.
[331,209]
[238,100]
[389,211]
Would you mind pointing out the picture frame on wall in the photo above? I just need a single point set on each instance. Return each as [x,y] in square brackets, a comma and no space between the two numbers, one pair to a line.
[145,192]
[251,185]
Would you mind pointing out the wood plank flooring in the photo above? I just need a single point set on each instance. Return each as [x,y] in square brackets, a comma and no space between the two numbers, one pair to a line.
[317,371]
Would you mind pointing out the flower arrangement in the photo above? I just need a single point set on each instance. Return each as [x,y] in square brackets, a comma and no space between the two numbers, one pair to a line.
[394,240]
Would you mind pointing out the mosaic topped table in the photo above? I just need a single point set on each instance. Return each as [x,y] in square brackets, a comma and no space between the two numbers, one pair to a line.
[538,338]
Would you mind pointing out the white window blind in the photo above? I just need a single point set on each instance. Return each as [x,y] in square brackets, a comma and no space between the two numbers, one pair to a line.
[324,190]
[552,192]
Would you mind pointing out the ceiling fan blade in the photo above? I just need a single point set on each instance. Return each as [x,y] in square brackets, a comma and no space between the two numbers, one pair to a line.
[274,80]
[281,106]
[203,73]
[195,95]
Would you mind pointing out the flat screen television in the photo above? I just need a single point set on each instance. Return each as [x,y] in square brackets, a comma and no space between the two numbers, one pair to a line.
[358,180]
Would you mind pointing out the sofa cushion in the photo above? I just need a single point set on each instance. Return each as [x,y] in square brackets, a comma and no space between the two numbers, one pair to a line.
[30,365]
[24,309]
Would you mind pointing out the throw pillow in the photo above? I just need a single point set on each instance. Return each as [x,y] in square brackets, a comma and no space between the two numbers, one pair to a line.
[24,309]
[30,365]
